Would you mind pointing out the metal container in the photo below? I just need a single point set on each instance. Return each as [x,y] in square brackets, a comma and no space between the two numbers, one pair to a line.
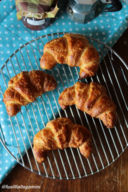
[83,11]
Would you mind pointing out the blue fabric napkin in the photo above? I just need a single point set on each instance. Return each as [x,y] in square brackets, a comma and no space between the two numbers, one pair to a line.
[107,27]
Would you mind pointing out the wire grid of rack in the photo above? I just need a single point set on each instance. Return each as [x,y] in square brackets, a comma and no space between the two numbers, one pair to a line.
[108,144]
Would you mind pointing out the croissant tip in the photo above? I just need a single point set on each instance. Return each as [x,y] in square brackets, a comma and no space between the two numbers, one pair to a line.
[86,148]
[63,107]
[110,126]
[110,120]
[83,75]
[38,155]
[13,109]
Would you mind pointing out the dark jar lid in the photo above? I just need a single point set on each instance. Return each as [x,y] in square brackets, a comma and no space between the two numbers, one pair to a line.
[36,24]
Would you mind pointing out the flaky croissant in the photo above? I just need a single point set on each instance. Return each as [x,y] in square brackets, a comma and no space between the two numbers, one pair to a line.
[25,87]
[90,98]
[59,134]
[74,50]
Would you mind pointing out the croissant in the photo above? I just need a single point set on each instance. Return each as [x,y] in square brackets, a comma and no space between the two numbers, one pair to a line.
[25,87]
[59,134]
[74,50]
[90,98]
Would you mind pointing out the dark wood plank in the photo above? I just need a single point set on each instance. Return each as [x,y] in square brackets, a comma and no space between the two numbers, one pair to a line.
[112,179]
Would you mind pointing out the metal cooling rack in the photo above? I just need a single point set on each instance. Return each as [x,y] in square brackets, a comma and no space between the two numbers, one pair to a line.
[108,144]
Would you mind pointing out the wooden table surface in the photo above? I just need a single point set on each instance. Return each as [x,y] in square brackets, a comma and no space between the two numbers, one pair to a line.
[112,179]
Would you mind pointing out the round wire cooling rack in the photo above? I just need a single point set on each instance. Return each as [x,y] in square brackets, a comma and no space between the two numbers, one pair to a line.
[17,132]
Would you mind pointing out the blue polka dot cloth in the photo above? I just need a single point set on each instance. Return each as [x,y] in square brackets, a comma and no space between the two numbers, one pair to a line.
[107,27]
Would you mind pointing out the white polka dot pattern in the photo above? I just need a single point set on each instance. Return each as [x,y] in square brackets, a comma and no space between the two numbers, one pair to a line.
[107,27]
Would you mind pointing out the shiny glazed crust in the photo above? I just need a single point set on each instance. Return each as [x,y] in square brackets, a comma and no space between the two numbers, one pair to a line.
[25,87]
[59,134]
[74,50]
[90,98]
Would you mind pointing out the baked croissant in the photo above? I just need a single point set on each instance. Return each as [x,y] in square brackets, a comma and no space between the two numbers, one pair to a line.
[90,98]
[74,50]
[25,87]
[59,134]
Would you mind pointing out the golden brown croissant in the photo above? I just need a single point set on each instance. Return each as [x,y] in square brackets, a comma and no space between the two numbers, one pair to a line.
[90,98]
[74,50]
[25,87]
[59,134]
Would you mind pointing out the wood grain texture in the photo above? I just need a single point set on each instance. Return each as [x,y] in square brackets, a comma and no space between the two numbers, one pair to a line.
[112,179]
